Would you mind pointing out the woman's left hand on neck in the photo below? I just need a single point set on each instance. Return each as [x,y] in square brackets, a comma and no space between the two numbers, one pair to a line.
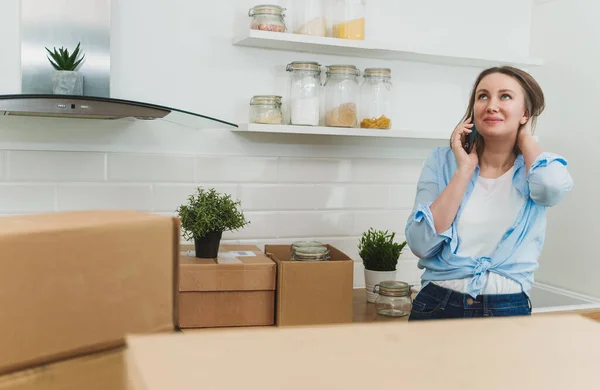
[528,145]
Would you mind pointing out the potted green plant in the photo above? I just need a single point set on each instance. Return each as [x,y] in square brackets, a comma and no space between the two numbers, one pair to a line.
[206,216]
[379,254]
[66,79]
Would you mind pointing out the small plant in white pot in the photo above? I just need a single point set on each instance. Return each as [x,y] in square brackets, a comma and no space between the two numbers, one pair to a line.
[66,79]
[379,254]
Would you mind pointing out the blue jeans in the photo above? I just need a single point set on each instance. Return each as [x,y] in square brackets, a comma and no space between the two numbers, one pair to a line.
[435,302]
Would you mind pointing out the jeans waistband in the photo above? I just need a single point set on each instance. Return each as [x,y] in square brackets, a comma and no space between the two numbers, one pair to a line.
[485,301]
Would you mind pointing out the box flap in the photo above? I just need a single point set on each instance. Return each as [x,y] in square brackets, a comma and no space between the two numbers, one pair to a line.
[238,268]
[77,282]
[533,353]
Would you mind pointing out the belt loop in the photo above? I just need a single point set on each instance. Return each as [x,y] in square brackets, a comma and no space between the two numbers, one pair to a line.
[485,305]
[446,299]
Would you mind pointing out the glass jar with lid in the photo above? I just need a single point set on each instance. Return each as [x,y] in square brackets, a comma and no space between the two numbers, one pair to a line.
[394,298]
[349,19]
[376,99]
[265,109]
[309,17]
[342,93]
[305,91]
[267,17]
[309,251]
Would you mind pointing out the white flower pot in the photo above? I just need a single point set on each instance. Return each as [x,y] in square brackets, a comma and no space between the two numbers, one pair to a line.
[66,82]
[372,278]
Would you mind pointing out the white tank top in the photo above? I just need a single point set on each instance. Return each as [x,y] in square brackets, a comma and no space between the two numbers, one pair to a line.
[491,209]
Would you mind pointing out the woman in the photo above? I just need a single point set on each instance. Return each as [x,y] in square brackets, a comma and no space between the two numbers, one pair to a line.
[479,219]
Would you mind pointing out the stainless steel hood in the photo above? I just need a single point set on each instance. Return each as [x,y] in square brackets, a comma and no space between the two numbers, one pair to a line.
[86,107]
[57,23]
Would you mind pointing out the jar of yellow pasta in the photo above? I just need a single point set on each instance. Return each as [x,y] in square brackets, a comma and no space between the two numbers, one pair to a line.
[376,99]
[348,19]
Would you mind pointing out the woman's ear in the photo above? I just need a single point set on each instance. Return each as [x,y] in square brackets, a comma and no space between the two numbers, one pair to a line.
[524,118]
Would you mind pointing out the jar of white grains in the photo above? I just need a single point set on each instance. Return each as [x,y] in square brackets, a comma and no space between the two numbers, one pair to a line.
[305,86]
[267,17]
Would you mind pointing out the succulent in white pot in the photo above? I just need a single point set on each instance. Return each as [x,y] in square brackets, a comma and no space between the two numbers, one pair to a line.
[380,255]
[66,79]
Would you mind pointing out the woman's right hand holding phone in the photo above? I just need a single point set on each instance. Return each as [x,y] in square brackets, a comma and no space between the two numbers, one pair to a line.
[467,162]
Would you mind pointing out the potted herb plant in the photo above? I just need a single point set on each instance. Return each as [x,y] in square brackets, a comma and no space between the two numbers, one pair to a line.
[379,254]
[206,216]
[66,79]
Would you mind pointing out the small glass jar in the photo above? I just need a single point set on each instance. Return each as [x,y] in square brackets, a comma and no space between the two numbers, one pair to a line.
[342,93]
[394,299]
[376,99]
[266,110]
[309,17]
[309,251]
[349,19]
[267,17]
[305,91]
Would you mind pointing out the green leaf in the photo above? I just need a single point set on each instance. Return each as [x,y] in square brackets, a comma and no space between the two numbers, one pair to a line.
[209,211]
[378,250]
[62,60]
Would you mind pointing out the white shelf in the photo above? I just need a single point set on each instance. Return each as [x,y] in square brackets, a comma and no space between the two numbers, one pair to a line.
[339,131]
[369,49]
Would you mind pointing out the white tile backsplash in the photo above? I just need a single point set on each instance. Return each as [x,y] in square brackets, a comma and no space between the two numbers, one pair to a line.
[392,220]
[3,156]
[150,168]
[318,170]
[386,170]
[167,197]
[55,166]
[285,198]
[236,169]
[104,196]
[26,198]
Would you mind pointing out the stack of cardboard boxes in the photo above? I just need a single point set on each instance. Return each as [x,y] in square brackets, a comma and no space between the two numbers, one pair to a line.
[74,285]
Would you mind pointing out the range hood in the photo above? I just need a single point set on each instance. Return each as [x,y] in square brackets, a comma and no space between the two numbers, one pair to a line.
[86,107]
[57,23]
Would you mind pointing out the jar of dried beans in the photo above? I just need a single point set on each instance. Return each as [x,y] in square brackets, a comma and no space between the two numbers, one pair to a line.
[267,18]
[342,94]
[376,99]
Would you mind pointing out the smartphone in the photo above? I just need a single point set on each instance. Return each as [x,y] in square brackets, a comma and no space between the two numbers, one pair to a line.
[469,139]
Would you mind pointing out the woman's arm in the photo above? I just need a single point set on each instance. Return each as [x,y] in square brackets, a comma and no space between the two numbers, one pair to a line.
[429,225]
[547,174]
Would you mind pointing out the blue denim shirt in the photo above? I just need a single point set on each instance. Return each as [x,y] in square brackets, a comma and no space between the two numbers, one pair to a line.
[516,256]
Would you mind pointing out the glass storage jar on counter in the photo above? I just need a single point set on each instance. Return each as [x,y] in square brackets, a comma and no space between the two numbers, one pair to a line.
[342,94]
[265,109]
[267,17]
[309,17]
[394,299]
[305,91]
[376,99]
[348,19]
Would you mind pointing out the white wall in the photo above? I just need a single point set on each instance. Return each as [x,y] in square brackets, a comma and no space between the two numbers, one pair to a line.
[179,53]
[565,33]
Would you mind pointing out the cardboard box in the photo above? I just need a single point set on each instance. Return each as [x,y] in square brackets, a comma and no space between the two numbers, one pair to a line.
[493,354]
[236,289]
[78,282]
[101,371]
[312,292]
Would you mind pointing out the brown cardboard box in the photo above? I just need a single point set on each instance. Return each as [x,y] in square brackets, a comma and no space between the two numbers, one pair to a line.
[310,293]
[78,282]
[555,352]
[233,290]
[101,371]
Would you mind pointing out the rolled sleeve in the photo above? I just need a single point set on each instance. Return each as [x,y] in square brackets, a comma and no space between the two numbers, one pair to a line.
[549,179]
[420,232]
